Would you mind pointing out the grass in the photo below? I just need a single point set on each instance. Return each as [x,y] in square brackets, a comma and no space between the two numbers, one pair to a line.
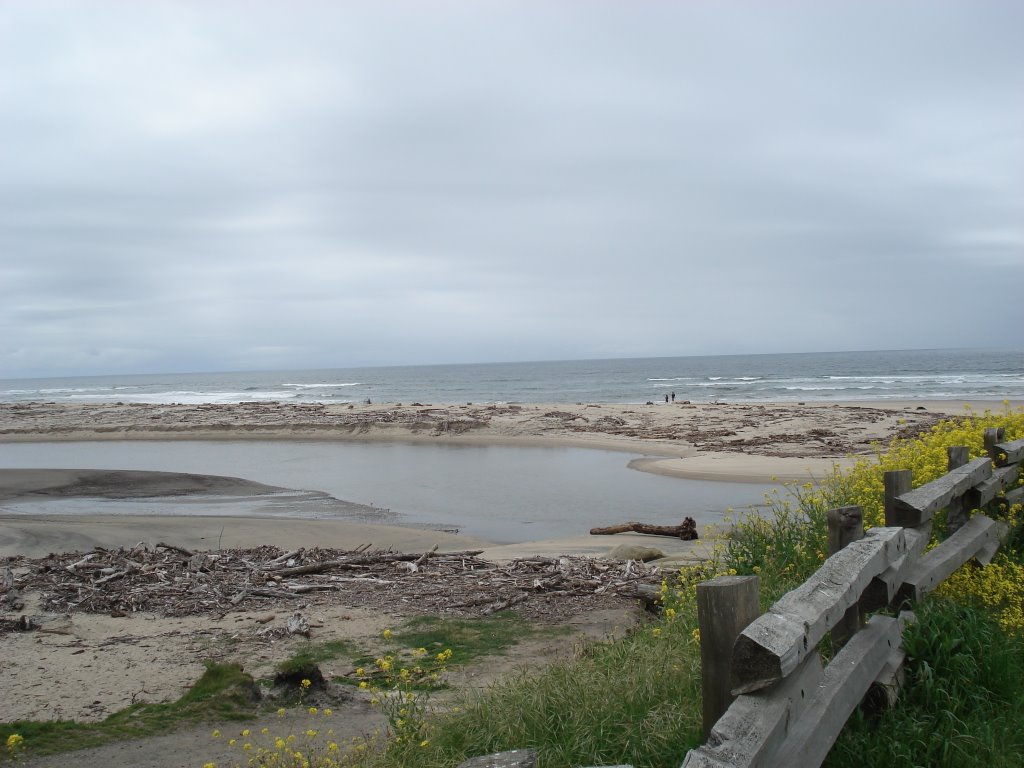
[223,692]
[961,705]
[623,701]
[468,639]
[314,653]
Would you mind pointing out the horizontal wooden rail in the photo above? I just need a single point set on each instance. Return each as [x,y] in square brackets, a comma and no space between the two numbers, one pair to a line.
[1009,453]
[938,564]
[918,506]
[774,644]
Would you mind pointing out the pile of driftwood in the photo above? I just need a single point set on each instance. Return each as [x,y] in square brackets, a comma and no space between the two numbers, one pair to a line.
[172,581]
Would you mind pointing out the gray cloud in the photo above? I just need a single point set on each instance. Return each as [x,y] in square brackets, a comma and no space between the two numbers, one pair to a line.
[190,186]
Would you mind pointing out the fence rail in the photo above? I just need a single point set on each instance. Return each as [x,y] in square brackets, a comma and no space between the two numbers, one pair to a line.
[768,698]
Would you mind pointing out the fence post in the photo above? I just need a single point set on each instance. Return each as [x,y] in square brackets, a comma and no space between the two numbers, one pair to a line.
[956,512]
[992,436]
[725,606]
[845,526]
[897,482]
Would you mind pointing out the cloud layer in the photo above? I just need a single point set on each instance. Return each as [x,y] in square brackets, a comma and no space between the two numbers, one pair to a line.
[239,185]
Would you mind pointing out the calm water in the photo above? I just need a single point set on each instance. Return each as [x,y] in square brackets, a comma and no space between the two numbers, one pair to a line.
[500,493]
[905,375]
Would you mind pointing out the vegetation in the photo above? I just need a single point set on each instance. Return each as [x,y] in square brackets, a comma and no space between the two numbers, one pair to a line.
[224,692]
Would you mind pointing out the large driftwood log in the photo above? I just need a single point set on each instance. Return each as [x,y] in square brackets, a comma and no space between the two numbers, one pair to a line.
[371,559]
[687,531]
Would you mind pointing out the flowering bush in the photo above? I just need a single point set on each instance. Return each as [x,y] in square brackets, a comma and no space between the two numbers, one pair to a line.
[401,689]
[786,547]
[313,748]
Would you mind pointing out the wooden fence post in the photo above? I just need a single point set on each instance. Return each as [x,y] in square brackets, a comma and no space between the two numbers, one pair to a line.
[725,606]
[845,526]
[956,512]
[897,482]
[992,436]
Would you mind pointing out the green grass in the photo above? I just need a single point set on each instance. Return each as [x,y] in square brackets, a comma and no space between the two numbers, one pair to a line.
[224,692]
[635,701]
[961,706]
[315,653]
[468,639]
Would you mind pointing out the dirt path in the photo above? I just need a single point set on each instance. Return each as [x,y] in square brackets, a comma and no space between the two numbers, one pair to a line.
[352,716]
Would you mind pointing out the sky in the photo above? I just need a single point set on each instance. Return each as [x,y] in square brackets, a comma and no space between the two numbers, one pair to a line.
[212,186]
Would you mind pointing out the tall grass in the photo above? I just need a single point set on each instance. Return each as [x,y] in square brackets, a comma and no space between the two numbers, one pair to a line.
[962,704]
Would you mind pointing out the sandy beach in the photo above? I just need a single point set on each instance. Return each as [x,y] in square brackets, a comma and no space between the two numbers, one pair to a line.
[94,664]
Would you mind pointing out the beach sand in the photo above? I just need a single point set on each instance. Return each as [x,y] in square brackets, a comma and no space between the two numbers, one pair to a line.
[94,664]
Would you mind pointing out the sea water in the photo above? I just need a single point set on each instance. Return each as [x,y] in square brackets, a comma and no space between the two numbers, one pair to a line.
[812,377]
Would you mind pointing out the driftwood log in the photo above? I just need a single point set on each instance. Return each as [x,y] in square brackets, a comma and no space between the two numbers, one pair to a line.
[687,531]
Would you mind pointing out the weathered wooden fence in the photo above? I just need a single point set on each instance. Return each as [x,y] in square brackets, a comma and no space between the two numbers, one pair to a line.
[789,708]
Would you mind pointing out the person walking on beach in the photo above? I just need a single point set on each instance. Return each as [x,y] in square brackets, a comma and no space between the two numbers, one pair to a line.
[666,398]
[673,397]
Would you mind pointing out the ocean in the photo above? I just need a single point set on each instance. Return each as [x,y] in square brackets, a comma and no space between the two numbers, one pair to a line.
[951,374]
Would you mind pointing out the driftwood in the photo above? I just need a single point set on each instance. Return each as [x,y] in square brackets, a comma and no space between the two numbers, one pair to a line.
[173,581]
[687,531]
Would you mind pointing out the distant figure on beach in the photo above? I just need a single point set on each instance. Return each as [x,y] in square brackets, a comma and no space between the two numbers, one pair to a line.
[673,397]
[666,398]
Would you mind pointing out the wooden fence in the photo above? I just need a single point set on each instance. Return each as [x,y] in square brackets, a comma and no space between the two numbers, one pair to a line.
[768,699]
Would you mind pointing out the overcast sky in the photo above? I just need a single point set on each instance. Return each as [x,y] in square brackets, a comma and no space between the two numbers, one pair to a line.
[202,185]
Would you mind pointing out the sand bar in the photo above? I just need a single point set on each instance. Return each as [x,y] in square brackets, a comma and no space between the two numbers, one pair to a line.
[681,429]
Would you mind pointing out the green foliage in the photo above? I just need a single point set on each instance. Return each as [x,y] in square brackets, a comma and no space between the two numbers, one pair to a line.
[961,705]
[633,701]
[468,639]
[224,692]
[314,653]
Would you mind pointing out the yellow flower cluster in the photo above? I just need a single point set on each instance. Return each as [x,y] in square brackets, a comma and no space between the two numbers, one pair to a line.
[400,686]
[787,545]
[998,586]
[314,748]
